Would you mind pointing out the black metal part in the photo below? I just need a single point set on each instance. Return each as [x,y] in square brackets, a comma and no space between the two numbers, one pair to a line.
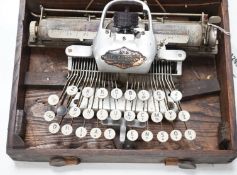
[61,111]
[125,20]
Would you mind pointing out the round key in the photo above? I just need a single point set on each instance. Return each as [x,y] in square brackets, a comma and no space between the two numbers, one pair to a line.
[159,95]
[102,114]
[115,114]
[190,134]
[116,93]
[71,90]
[184,116]
[53,100]
[176,135]
[130,94]
[54,128]
[142,116]
[170,115]
[95,133]
[88,113]
[109,134]
[162,136]
[156,117]
[81,132]
[49,116]
[74,111]
[176,95]
[129,115]
[132,135]
[66,129]
[102,93]
[87,92]
[61,110]
[143,95]
[147,136]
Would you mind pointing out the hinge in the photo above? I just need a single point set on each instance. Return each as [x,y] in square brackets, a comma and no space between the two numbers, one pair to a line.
[183,164]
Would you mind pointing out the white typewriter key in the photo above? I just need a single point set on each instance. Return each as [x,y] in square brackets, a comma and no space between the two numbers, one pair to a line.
[102,114]
[142,116]
[147,136]
[184,116]
[72,90]
[87,92]
[53,100]
[49,116]
[129,115]
[156,117]
[132,135]
[109,134]
[176,135]
[88,113]
[176,95]
[95,133]
[162,107]
[143,95]
[116,93]
[130,94]
[162,136]
[159,95]
[74,111]
[66,129]
[54,128]
[115,114]
[81,132]
[102,93]
[190,134]
[170,115]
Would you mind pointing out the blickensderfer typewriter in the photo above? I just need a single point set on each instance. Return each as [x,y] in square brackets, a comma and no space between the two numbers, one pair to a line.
[125,79]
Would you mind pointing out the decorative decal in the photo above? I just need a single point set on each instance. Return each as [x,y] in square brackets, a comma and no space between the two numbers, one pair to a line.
[123,58]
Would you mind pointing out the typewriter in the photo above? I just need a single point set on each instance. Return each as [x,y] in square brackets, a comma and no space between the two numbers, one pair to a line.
[124,78]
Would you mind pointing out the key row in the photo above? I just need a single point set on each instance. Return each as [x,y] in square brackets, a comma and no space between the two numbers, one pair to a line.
[132,135]
[122,104]
[117,93]
[116,114]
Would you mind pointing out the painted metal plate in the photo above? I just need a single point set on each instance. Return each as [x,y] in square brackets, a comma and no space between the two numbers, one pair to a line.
[123,58]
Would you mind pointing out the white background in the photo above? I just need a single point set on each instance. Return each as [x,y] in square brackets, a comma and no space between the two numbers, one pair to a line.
[8,29]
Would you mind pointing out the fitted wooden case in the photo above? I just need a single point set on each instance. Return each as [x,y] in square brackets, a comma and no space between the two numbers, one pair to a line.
[39,72]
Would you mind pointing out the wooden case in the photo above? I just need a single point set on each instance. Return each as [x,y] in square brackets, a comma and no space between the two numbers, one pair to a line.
[39,72]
